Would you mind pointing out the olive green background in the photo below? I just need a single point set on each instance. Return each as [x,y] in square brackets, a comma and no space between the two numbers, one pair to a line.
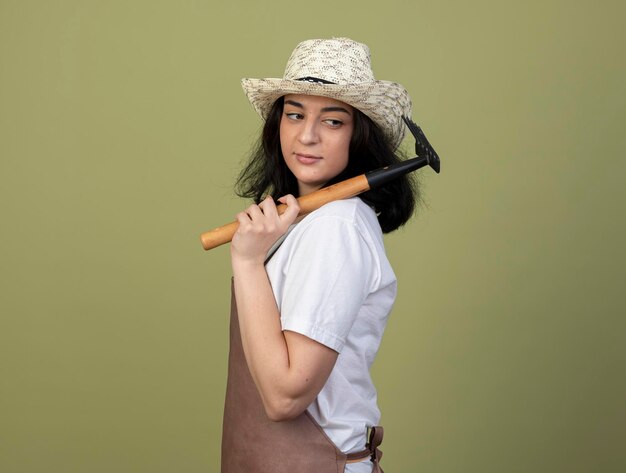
[122,127]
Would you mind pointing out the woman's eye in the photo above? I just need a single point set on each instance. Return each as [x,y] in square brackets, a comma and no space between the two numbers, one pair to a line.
[334,123]
[293,115]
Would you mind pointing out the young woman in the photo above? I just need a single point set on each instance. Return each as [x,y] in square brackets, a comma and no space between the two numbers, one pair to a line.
[311,295]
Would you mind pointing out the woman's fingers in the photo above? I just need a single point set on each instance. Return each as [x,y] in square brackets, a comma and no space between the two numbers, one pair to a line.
[251,215]
[264,217]
[254,212]
[293,208]
[260,226]
[287,217]
[268,207]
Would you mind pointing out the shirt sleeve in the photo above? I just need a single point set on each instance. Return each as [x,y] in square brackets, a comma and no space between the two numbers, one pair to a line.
[330,274]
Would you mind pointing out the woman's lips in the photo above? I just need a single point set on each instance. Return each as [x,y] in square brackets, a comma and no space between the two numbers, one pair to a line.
[307,158]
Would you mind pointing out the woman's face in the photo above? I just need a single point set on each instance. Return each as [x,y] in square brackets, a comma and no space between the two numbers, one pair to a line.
[315,137]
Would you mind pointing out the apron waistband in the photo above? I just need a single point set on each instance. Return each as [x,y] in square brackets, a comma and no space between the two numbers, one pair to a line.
[372,451]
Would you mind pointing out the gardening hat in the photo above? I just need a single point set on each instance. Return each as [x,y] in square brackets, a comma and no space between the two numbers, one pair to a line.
[339,68]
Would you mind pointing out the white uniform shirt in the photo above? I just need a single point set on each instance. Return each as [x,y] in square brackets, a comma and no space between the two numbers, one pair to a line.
[333,283]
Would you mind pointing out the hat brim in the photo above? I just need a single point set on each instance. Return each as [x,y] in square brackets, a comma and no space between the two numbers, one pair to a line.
[383,101]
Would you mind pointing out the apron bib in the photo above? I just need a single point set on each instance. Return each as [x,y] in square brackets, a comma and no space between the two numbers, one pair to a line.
[251,443]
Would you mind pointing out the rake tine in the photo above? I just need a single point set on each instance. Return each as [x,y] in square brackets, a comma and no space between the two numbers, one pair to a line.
[422,147]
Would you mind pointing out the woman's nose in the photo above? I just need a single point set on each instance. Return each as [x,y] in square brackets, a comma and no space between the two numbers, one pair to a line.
[309,132]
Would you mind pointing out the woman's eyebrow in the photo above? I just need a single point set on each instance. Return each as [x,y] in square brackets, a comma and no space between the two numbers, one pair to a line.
[325,109]
[335,109]
[294,103]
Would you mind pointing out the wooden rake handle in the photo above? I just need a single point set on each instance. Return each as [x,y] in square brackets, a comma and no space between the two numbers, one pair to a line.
[308,203]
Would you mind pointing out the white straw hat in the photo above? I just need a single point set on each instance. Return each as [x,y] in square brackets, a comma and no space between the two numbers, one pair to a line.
[339,68]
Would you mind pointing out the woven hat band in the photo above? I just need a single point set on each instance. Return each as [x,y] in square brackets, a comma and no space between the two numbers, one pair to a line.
[315,80]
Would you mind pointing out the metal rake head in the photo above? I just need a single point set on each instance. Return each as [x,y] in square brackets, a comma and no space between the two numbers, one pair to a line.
[422,146]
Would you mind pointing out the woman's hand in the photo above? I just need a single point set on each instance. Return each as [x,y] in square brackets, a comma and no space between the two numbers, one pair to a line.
[259,228]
